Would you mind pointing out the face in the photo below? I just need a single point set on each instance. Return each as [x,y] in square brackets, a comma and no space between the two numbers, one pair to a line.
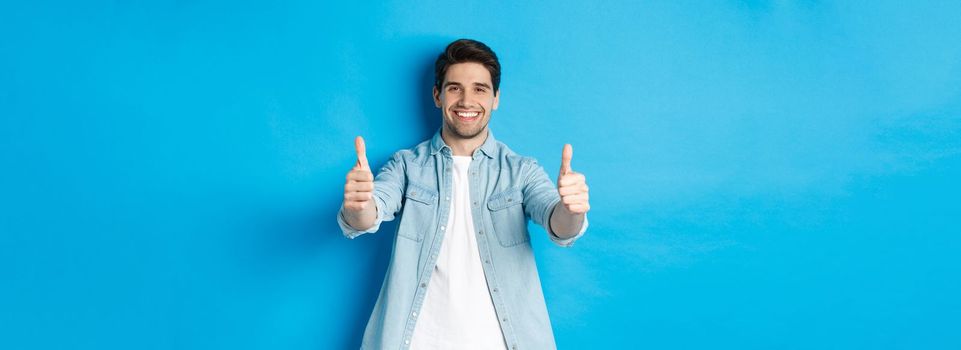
[466,99]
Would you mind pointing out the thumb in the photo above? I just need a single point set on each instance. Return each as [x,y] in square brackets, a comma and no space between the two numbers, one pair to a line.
[361,152]
[566,159]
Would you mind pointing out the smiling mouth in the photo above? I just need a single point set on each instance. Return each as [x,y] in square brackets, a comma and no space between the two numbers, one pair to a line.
[467,115]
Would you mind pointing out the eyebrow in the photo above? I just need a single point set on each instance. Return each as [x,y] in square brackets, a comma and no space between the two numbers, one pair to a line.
[449,83]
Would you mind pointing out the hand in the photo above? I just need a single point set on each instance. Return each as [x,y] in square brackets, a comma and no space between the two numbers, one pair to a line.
[359,189]
[572,186]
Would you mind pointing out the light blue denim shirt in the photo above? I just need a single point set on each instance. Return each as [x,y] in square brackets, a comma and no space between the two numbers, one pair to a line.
[505,190]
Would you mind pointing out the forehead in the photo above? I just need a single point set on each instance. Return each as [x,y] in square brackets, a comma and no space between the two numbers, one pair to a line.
[468,73]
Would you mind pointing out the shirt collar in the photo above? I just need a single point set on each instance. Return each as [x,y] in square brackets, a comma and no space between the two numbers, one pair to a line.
[488,148]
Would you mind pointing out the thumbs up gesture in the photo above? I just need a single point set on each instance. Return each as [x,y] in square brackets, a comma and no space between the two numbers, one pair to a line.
[359,189]
[572,186]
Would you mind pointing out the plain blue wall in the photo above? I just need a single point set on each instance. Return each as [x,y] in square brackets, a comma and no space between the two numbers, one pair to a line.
[764,174]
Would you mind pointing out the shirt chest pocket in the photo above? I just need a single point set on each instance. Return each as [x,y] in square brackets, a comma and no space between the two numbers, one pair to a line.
[420,206]
[507,217]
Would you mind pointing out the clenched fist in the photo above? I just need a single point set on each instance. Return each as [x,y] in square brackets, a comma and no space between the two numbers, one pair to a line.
[359,189]
[572,186]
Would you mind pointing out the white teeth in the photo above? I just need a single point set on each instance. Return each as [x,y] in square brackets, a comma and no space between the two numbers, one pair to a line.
[467,115]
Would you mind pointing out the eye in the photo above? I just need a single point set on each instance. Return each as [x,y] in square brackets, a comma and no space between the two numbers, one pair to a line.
[453,88]
[481,90]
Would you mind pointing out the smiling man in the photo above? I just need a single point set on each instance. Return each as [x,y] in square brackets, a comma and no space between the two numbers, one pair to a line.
[462,273]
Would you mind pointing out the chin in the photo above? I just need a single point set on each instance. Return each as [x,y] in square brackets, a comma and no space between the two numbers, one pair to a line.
[466,133]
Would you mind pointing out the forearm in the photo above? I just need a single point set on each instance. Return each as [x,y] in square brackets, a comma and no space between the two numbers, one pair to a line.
[362,219]
[565,224]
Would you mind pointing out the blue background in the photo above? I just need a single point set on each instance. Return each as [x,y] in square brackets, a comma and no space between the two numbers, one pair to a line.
[764,174]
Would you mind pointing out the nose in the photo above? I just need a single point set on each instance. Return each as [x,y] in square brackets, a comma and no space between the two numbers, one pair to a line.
[463,102]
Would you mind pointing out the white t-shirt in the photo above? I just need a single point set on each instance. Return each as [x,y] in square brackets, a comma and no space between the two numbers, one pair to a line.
[458,312]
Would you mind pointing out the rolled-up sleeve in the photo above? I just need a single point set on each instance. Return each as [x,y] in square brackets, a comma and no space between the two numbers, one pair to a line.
[540,198]
[388,188]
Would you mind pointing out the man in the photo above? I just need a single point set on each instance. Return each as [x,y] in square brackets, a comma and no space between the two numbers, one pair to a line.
[462,273]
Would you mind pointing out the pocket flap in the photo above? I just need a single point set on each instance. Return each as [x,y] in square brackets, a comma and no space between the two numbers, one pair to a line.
[505,199]
[421,195]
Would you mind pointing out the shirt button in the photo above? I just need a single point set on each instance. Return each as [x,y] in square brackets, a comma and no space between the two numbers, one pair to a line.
[415,313]
[480,232]
[407,341]
[442,227]
[505,319]
[448,198]
[487,261]
[423,285]
[495,290]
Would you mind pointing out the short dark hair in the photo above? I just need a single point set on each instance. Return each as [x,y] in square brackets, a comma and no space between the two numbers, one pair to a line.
[467,50]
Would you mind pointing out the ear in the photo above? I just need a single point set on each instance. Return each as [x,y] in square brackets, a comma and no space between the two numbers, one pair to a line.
[436,97]
[497,98]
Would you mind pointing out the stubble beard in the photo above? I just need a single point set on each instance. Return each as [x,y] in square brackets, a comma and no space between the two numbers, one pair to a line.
[465,132]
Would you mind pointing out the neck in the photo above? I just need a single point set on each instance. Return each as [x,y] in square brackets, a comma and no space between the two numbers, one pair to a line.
[463,146]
